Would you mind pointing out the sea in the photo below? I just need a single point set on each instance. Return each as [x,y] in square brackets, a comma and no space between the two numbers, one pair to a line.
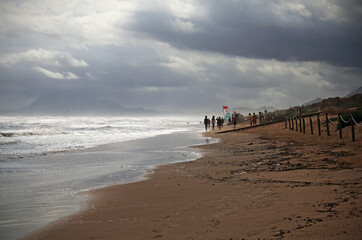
[46,163]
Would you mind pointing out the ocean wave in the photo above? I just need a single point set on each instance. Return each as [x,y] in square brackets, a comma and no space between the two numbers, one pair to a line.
[40,136]
[20,134]
[12,170]
[7,134]
[10,143]
[67,149]
[90,128]
[9,157]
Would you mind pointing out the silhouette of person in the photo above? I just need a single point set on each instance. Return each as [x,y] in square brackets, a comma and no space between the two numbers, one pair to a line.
[213,122]
[206,122]
[254,119]
[235,118]
[219,122]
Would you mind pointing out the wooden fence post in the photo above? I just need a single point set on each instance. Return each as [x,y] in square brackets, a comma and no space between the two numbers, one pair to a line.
[327,122]
[289,123]
[311,125]
[340,125]
[296,124]
[292,120]
[300,124]
[303,125]
[286,122]
[352,128]
[319,124]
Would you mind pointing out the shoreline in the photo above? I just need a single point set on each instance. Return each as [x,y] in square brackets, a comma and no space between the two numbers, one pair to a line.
[66,175]
[87,195]
[252,184]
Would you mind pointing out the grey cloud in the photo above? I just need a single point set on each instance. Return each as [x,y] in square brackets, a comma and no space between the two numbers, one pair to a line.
[242,29]
[55,75]
[162,59]
[133,67]
[43,56]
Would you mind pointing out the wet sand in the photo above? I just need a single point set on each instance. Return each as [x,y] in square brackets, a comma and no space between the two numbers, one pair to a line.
[267,183]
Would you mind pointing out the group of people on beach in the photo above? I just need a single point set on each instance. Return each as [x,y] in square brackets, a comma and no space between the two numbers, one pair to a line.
[208,123]
[254,118]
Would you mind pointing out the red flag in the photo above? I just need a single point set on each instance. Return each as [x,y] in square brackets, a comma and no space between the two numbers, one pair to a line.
[225,109]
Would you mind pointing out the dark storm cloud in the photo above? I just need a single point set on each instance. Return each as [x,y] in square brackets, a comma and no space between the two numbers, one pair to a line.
[254,31]
[188,55]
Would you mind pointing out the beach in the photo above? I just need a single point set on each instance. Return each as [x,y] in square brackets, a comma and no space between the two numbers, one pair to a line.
[46,162]
[262,183]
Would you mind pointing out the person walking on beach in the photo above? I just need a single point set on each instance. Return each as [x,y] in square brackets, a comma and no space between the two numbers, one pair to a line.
[251,119]
[235,120]
[206,122]
[219,122]
[266,116]
[254,119]
[213,122]
[260,118]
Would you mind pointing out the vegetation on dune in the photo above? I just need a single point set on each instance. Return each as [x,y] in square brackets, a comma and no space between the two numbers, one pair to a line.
[357,115]
[281,114]
[330,105]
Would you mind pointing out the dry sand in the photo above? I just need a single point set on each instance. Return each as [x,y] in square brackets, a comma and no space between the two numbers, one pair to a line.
[267,183]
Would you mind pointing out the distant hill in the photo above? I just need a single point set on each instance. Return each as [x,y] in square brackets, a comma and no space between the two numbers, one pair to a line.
[317,100]
[357,91]
[68,104]
[338,102]
[331,105]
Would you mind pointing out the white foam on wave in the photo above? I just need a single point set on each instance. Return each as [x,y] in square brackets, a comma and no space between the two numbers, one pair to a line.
[26,136]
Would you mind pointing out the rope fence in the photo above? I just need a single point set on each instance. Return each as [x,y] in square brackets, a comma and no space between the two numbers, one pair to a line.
[298,123]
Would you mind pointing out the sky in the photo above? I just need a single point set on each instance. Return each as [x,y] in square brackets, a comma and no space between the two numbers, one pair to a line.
[189,55]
